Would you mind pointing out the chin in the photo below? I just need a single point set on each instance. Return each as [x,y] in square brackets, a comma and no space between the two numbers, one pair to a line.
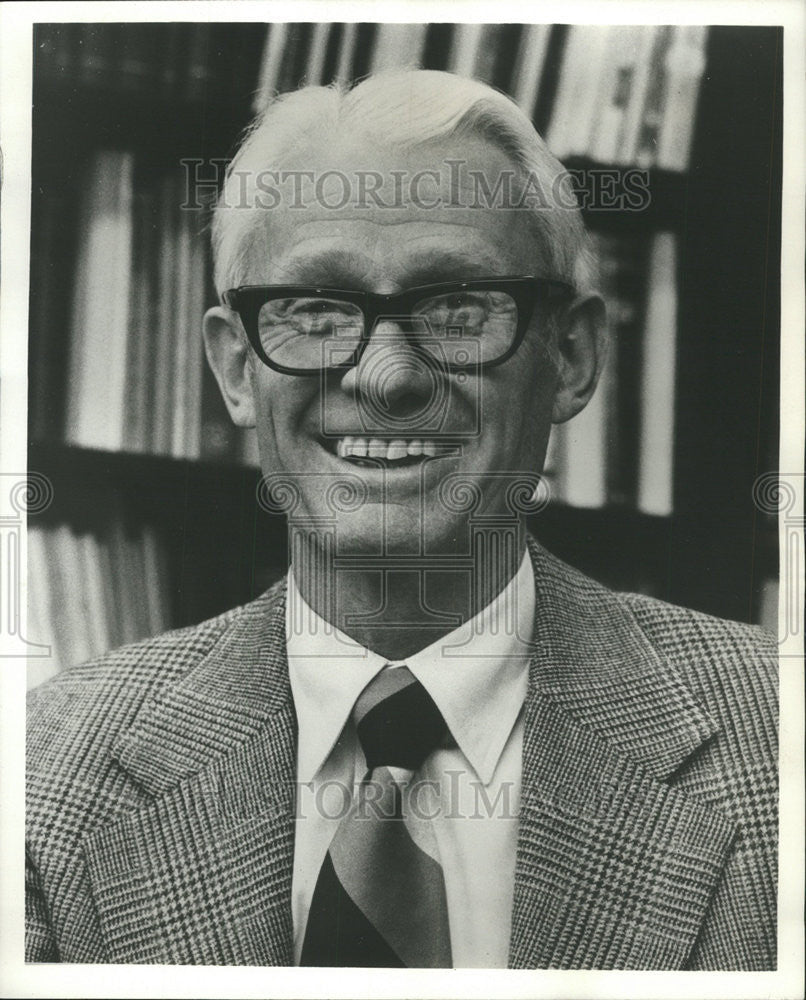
[391,530]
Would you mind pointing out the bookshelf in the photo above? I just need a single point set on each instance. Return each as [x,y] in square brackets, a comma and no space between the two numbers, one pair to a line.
[151,95]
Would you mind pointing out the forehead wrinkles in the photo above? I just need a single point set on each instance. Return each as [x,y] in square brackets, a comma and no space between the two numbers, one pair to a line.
[311,204]
[377,248]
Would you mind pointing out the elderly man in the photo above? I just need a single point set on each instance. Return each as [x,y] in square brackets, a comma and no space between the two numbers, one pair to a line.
[433,744]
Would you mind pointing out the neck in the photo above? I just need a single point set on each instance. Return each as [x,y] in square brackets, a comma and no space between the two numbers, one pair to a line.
[397,612]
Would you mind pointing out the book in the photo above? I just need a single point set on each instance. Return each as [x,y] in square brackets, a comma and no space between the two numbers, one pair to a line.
[577,76]
[346,56]
[163,372]
[66,600]
[634,113]
[467,41]
[554,463]
[196,361]
[646,146]
[40,609]
[529,65]
[657,407]
[398,45]
[45,335]
[99,329]
[155,581]
[767,613]
[584,441]
[489,42]
[582,89]
[180,336]
[685,65]
[96,623]
[318,52]
[616,88]
[140,325]
[622,283]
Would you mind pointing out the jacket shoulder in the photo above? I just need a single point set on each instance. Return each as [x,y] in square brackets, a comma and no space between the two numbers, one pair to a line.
[732,669]
[721,660]
[77,714]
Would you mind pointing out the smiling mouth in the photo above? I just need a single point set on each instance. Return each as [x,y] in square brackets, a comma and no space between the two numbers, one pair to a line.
[371,452]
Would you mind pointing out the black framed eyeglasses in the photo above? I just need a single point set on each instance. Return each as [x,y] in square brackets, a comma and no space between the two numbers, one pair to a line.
[455,325]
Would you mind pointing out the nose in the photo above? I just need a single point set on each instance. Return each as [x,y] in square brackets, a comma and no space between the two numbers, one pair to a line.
[392,381]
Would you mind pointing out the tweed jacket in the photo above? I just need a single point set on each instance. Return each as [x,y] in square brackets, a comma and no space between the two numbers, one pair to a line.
[161,792]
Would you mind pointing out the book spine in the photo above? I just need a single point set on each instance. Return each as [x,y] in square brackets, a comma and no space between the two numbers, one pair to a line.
[571,68]
[196,360]
[163,373]
[40,609]
[398,45]
[465,51]
[346,57]
[101,301]
[656,455]
[685,65]
[586,94]
[181,338]
[608,133]
[529,66]
[646,151]
[119,303]
[585,445]
[316,59]
[634,112]
[276,35]
[140,320]
[95,621]
[155,582]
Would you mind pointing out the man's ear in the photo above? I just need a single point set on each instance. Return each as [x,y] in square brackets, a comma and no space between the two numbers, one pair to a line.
[229,356]
[581,353]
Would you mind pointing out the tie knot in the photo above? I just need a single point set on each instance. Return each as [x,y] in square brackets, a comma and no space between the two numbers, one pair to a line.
[397,721]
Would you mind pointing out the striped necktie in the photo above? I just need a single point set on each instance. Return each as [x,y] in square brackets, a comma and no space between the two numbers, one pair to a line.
[379,900]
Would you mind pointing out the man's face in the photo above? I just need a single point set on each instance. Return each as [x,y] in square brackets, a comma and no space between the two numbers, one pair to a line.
[500,416]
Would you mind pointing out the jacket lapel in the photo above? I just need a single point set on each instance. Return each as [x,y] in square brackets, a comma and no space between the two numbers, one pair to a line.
[202,874]
[614,868]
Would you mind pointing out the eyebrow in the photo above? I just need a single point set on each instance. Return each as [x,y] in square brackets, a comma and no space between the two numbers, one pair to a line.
[347,269]
[327,266]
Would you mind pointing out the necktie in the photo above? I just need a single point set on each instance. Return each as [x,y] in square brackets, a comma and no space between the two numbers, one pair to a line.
[379,900]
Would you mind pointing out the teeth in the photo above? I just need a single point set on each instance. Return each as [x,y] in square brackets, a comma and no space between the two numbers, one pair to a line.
[359,447]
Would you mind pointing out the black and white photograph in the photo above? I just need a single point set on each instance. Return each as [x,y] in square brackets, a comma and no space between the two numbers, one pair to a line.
[402,568]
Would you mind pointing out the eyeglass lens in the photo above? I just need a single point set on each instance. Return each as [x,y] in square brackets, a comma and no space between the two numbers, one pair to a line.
[456,328]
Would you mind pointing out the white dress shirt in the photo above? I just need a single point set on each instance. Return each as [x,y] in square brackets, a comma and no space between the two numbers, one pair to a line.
[477,675]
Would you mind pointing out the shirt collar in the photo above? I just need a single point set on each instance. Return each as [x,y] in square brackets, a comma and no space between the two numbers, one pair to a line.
[477,675]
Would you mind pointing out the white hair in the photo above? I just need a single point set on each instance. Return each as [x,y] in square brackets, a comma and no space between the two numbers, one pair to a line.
[397,109]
